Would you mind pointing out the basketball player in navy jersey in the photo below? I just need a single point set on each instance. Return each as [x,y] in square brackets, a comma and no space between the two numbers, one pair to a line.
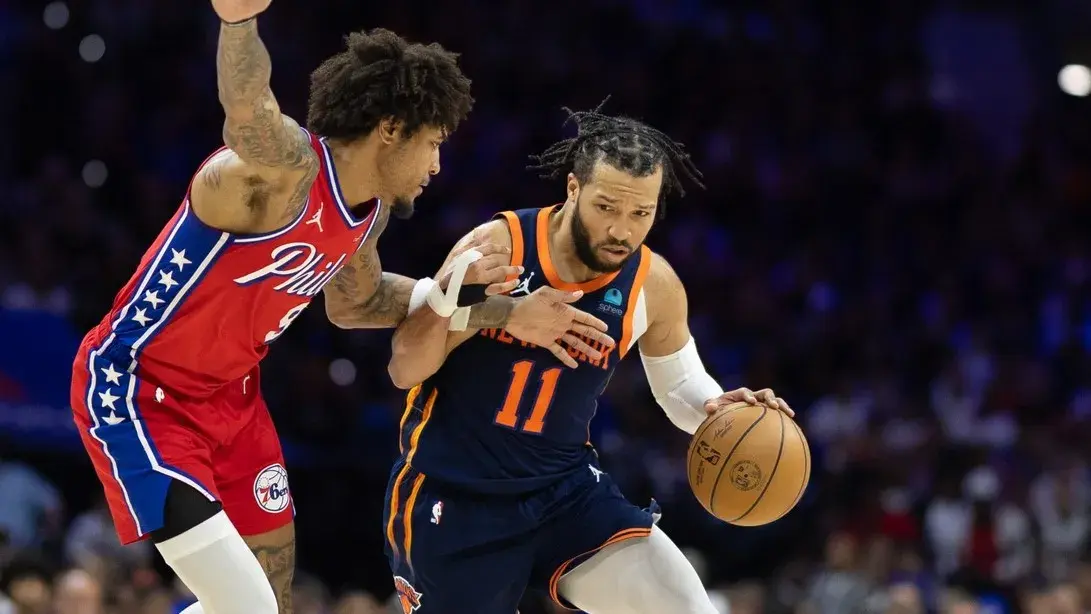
[498,489]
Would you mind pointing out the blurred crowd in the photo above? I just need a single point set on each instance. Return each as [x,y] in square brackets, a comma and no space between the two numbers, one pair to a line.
[894,237]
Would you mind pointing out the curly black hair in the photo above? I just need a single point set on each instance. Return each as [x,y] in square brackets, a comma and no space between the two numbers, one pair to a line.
[381,75]
[621,142]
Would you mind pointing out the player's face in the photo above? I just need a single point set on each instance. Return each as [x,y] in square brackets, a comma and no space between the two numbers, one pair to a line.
[408,166]
[614,214]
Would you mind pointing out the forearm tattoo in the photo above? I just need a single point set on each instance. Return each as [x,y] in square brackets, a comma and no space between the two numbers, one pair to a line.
[255,128]
[492,313]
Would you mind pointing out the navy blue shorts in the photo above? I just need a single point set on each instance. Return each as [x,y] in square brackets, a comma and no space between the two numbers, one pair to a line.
[454,552]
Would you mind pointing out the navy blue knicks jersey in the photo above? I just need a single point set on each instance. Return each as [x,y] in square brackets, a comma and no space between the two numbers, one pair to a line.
[506,417]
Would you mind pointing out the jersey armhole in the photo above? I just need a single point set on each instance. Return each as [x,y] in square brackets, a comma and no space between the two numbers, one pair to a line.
[636,302]
[518,246]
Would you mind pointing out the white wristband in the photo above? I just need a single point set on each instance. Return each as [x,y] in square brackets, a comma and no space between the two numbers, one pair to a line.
[437,300]
[445,304]
[420,293]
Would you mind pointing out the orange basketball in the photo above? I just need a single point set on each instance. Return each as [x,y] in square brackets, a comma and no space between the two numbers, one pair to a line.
[748,465]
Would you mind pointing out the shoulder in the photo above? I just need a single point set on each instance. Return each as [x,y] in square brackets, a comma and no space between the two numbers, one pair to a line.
[382,218]
[663,290]
[493,231]
[662,280]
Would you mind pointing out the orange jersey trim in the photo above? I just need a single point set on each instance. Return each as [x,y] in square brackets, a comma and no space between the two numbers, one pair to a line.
[634,294]
[546,262]
[517,246]
[616,538]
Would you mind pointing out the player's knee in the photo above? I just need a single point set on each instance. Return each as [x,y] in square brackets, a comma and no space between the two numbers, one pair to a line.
[184,509]
[214,562]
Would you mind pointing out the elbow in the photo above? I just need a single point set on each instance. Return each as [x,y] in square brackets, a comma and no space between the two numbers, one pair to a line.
[340,320]
[402,377]
[340,314]
[406,369]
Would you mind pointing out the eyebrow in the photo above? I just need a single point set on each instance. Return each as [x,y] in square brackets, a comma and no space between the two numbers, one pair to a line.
[612,200]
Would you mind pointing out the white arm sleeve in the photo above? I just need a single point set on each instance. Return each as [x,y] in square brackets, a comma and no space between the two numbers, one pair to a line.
[681,385]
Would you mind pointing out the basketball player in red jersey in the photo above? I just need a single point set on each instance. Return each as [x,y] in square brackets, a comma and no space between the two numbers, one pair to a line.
[166,389]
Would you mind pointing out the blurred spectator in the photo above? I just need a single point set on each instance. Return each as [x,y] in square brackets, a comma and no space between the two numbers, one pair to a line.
[26,585]
[839,588]
[30,508]
[77,592]
[91,542]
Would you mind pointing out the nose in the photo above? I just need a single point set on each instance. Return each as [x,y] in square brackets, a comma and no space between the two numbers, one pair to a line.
[619,232]
[434,169]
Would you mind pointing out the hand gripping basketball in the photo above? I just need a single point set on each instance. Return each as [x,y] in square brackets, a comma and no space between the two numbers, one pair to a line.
[546,319]
[237,11]
[764,397]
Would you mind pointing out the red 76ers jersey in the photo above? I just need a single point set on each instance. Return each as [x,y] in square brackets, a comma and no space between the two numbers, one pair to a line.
[204,304]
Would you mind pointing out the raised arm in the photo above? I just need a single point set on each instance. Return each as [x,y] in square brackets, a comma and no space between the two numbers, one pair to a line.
[261,182]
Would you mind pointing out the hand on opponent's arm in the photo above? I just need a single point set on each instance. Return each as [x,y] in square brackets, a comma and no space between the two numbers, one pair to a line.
[544,318]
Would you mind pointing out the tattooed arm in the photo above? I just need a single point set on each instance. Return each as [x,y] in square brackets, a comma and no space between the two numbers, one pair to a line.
[362,295]
[422,342]
[260,182]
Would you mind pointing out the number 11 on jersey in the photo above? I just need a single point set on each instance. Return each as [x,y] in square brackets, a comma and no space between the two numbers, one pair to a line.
[509,412]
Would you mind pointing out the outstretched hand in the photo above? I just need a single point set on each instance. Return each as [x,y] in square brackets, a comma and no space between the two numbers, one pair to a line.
[234,11]
[546,319]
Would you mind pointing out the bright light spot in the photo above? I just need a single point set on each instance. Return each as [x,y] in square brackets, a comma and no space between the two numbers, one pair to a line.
[55,15]
[94,173]
[342,372]
[1075,80]
[92,48]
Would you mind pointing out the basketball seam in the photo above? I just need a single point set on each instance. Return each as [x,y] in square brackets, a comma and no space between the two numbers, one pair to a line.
[697,437]
[727,459]
[769,480]
[806,472]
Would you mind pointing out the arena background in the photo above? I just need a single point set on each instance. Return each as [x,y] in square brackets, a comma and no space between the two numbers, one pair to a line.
[894,237]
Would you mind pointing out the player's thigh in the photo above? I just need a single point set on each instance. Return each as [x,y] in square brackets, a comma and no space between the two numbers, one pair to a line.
[250,473]
[450,554]
[253,484]
[648,575]
[139,443]
[593,515]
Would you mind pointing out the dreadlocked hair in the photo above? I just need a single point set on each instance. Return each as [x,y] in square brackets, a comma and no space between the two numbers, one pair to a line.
[381,75]
[622,142]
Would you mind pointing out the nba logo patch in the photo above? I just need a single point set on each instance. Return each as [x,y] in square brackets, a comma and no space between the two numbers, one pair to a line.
[271,489]
[407,595]
[613,297]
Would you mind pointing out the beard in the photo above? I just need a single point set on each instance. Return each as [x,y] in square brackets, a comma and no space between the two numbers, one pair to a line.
[588,252]
[401,207]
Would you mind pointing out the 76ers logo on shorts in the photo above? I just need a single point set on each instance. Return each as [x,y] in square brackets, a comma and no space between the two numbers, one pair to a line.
[271,489]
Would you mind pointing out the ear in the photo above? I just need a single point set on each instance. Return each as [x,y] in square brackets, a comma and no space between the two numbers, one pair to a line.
[389,129]
[573,188]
